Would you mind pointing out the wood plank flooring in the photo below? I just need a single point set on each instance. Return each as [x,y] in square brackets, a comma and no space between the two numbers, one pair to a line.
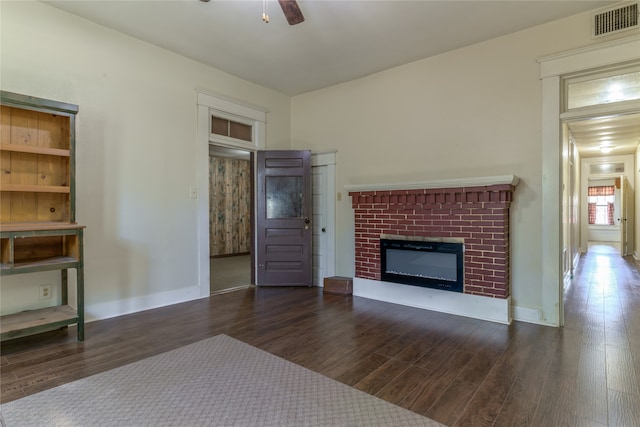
[458,371]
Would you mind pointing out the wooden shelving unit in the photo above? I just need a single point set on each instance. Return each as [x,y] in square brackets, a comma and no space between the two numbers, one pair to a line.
[38,231]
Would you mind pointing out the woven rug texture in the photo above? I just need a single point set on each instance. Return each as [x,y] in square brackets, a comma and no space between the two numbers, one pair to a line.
[218,381]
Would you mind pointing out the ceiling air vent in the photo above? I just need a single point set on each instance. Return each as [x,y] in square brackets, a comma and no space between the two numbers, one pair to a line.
[616,19]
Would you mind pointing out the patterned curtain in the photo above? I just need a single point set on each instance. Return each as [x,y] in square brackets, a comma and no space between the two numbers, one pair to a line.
[605,190]
[610,213]
[592,213]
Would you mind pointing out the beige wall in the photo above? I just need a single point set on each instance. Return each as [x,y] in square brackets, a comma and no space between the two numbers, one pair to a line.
[136,152]
[636,250]
[472,112]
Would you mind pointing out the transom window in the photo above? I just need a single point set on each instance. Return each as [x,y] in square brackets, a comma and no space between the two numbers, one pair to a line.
[232,129]
[602,88]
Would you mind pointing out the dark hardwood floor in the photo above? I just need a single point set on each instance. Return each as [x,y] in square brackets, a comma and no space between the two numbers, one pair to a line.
[459,371]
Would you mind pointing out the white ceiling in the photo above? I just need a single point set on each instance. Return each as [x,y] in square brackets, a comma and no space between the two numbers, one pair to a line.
[622,133]
[339,40]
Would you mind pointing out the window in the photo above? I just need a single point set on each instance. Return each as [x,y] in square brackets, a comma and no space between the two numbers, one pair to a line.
[601,205]
[232,129]
[605,90]
[601,168]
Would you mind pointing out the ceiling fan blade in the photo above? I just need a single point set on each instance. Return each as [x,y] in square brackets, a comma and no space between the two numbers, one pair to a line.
[291,11]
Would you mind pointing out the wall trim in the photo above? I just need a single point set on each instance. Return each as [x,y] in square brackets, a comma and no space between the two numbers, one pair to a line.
[130,305]
[529,315]
[440,183]
[474,306]
[584,58]
[231,106]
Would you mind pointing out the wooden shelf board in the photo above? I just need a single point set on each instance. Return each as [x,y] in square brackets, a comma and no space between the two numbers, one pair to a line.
[39,226]
[44,262]
[35,150]
[27,322]
[35,188]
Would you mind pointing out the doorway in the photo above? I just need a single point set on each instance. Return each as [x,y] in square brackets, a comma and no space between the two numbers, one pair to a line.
[607,183]
[604,220]
[230,208]
[553,72]
[230,239]
[211,105]
[606,143]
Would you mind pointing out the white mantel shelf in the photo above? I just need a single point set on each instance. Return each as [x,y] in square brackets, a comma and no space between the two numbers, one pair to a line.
[440,183]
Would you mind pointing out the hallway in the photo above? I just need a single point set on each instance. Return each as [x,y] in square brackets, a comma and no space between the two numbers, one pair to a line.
[602,311]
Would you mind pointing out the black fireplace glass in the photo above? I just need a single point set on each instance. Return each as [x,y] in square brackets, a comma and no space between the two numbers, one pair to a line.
[437,265]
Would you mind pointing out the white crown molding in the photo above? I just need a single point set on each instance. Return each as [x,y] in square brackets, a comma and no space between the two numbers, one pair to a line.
[231,106]
[440,183]
[584,58]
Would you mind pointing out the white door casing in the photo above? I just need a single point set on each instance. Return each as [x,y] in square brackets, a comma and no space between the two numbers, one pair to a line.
[552,68]
[206,103]
[320,253]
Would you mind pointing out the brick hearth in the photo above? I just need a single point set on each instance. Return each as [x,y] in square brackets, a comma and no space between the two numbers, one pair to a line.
[478,215]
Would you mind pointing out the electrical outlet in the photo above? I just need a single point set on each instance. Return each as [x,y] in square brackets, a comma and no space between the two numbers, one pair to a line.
[45,291]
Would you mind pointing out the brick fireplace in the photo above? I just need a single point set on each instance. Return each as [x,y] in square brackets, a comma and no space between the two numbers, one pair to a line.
[474,212]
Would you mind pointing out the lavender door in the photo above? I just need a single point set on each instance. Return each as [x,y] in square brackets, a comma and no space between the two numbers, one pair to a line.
[284,218]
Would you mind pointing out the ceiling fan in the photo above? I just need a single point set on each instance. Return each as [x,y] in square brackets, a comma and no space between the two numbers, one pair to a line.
[290,9]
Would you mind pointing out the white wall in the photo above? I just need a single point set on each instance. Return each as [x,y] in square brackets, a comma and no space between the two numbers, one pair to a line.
[471,112]
[136,152]
[636,247]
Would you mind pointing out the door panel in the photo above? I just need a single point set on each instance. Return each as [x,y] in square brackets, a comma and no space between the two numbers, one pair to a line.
[320,249]
[624,204]
[284,218]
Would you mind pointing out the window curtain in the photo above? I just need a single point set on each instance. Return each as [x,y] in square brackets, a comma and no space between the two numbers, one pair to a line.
[605,190]
[592,213]
[610,213]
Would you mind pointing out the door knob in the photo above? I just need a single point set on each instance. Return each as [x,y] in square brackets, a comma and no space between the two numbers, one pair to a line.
[324,229]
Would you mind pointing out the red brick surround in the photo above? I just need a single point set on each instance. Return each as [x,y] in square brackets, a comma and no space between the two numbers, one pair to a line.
[479,215]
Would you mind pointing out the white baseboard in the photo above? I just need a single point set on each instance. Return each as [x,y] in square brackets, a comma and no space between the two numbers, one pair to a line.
[130,305]
[529,315]
[474,306]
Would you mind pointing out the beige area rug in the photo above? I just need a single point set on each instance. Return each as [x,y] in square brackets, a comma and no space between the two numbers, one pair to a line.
[219,381]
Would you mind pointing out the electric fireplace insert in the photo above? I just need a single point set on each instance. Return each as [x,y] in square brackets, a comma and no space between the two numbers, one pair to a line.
[437,265]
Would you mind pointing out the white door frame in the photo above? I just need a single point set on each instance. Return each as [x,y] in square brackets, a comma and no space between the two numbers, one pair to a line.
[552,68]
[208,103]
